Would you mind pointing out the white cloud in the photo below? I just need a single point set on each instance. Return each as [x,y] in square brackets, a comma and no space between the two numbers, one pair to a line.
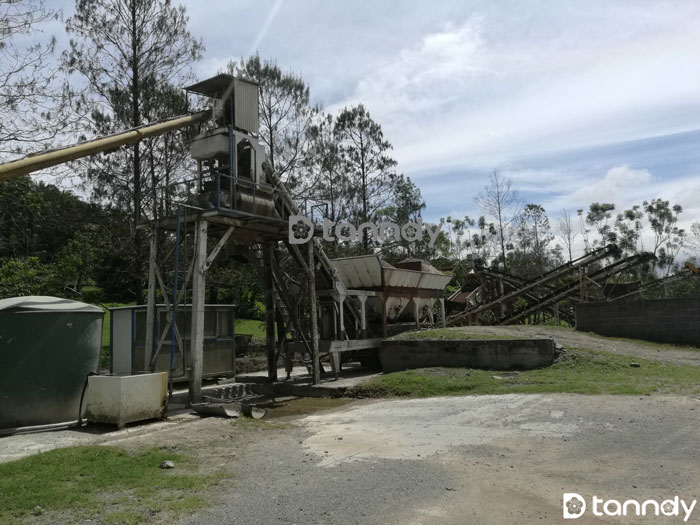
[466,86]
[621,184]
[427,77]
[470,95]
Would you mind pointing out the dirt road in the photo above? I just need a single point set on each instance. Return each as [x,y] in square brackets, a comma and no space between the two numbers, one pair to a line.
[475,459]
[481,459]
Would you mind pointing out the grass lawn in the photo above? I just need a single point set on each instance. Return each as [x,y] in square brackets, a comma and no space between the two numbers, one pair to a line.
[582,371]
[251,326]
[449,333]
[100,482]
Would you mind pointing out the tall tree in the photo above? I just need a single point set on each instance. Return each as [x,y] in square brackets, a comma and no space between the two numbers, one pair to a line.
[126,52]
[485,242]
[693,240]
[459,235]
[406,206]
[534,234]
[584,231]
[598,216]
[499,201]
[365,152]
[663,219]
[324,164]
[628,226]
[30,101]
[566,232]
[668,237]
[285,115]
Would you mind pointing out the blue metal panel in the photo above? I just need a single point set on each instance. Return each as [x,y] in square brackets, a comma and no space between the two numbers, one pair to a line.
[111,343]
[133,338]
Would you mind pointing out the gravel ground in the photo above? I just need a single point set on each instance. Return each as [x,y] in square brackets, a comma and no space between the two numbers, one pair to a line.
[452,460]
[483,459]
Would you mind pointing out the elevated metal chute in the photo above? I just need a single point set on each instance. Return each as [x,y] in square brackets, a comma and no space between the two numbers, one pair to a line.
[48,159]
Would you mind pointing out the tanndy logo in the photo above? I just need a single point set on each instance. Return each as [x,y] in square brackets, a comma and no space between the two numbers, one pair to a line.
[574,506]
[301,229]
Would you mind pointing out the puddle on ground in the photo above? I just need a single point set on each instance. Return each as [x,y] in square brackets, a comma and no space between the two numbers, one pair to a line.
[303,406]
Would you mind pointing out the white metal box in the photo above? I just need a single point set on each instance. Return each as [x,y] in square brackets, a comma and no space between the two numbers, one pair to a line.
[210,145]
[119,400]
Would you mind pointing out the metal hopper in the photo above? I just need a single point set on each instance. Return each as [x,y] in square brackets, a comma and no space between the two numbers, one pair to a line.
[405,286]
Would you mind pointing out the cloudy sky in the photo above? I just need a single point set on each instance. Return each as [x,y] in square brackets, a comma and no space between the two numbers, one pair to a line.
[574,101]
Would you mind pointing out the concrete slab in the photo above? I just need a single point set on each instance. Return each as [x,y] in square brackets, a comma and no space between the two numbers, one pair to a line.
[489,354]
[300,381]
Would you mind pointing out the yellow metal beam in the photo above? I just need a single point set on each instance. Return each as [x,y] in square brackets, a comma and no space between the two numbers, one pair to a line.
[51,158]
[692,267]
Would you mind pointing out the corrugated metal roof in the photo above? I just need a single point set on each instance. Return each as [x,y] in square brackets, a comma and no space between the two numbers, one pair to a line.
[216,85]
[43,303]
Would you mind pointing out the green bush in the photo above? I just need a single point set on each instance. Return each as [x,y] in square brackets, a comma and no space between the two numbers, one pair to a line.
[27,276]
[92,294]
[247,307]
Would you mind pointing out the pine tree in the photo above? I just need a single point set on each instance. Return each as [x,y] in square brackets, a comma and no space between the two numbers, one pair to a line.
[128,53]
[365,152]
[325,167]
[285,116]
[31,105]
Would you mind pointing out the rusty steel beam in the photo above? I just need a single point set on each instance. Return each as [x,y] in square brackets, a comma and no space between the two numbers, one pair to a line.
[556,273]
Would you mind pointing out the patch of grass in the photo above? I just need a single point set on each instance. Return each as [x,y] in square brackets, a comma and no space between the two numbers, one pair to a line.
[449,333]
[582,371]
[251,326]
[121,487]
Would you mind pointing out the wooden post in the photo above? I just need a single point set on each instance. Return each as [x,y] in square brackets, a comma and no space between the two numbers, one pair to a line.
[341,304]
[233,341]
[384,328]
[501,292]
[198,296]
[316,365]
[150,302]
[442,311]
[269,313]
[363,316]
[416,312]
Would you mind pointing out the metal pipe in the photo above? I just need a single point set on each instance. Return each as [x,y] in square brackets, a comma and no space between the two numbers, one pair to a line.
[232,161]
[51,158]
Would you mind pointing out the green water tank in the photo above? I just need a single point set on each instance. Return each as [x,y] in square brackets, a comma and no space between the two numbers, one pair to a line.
[48,346]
